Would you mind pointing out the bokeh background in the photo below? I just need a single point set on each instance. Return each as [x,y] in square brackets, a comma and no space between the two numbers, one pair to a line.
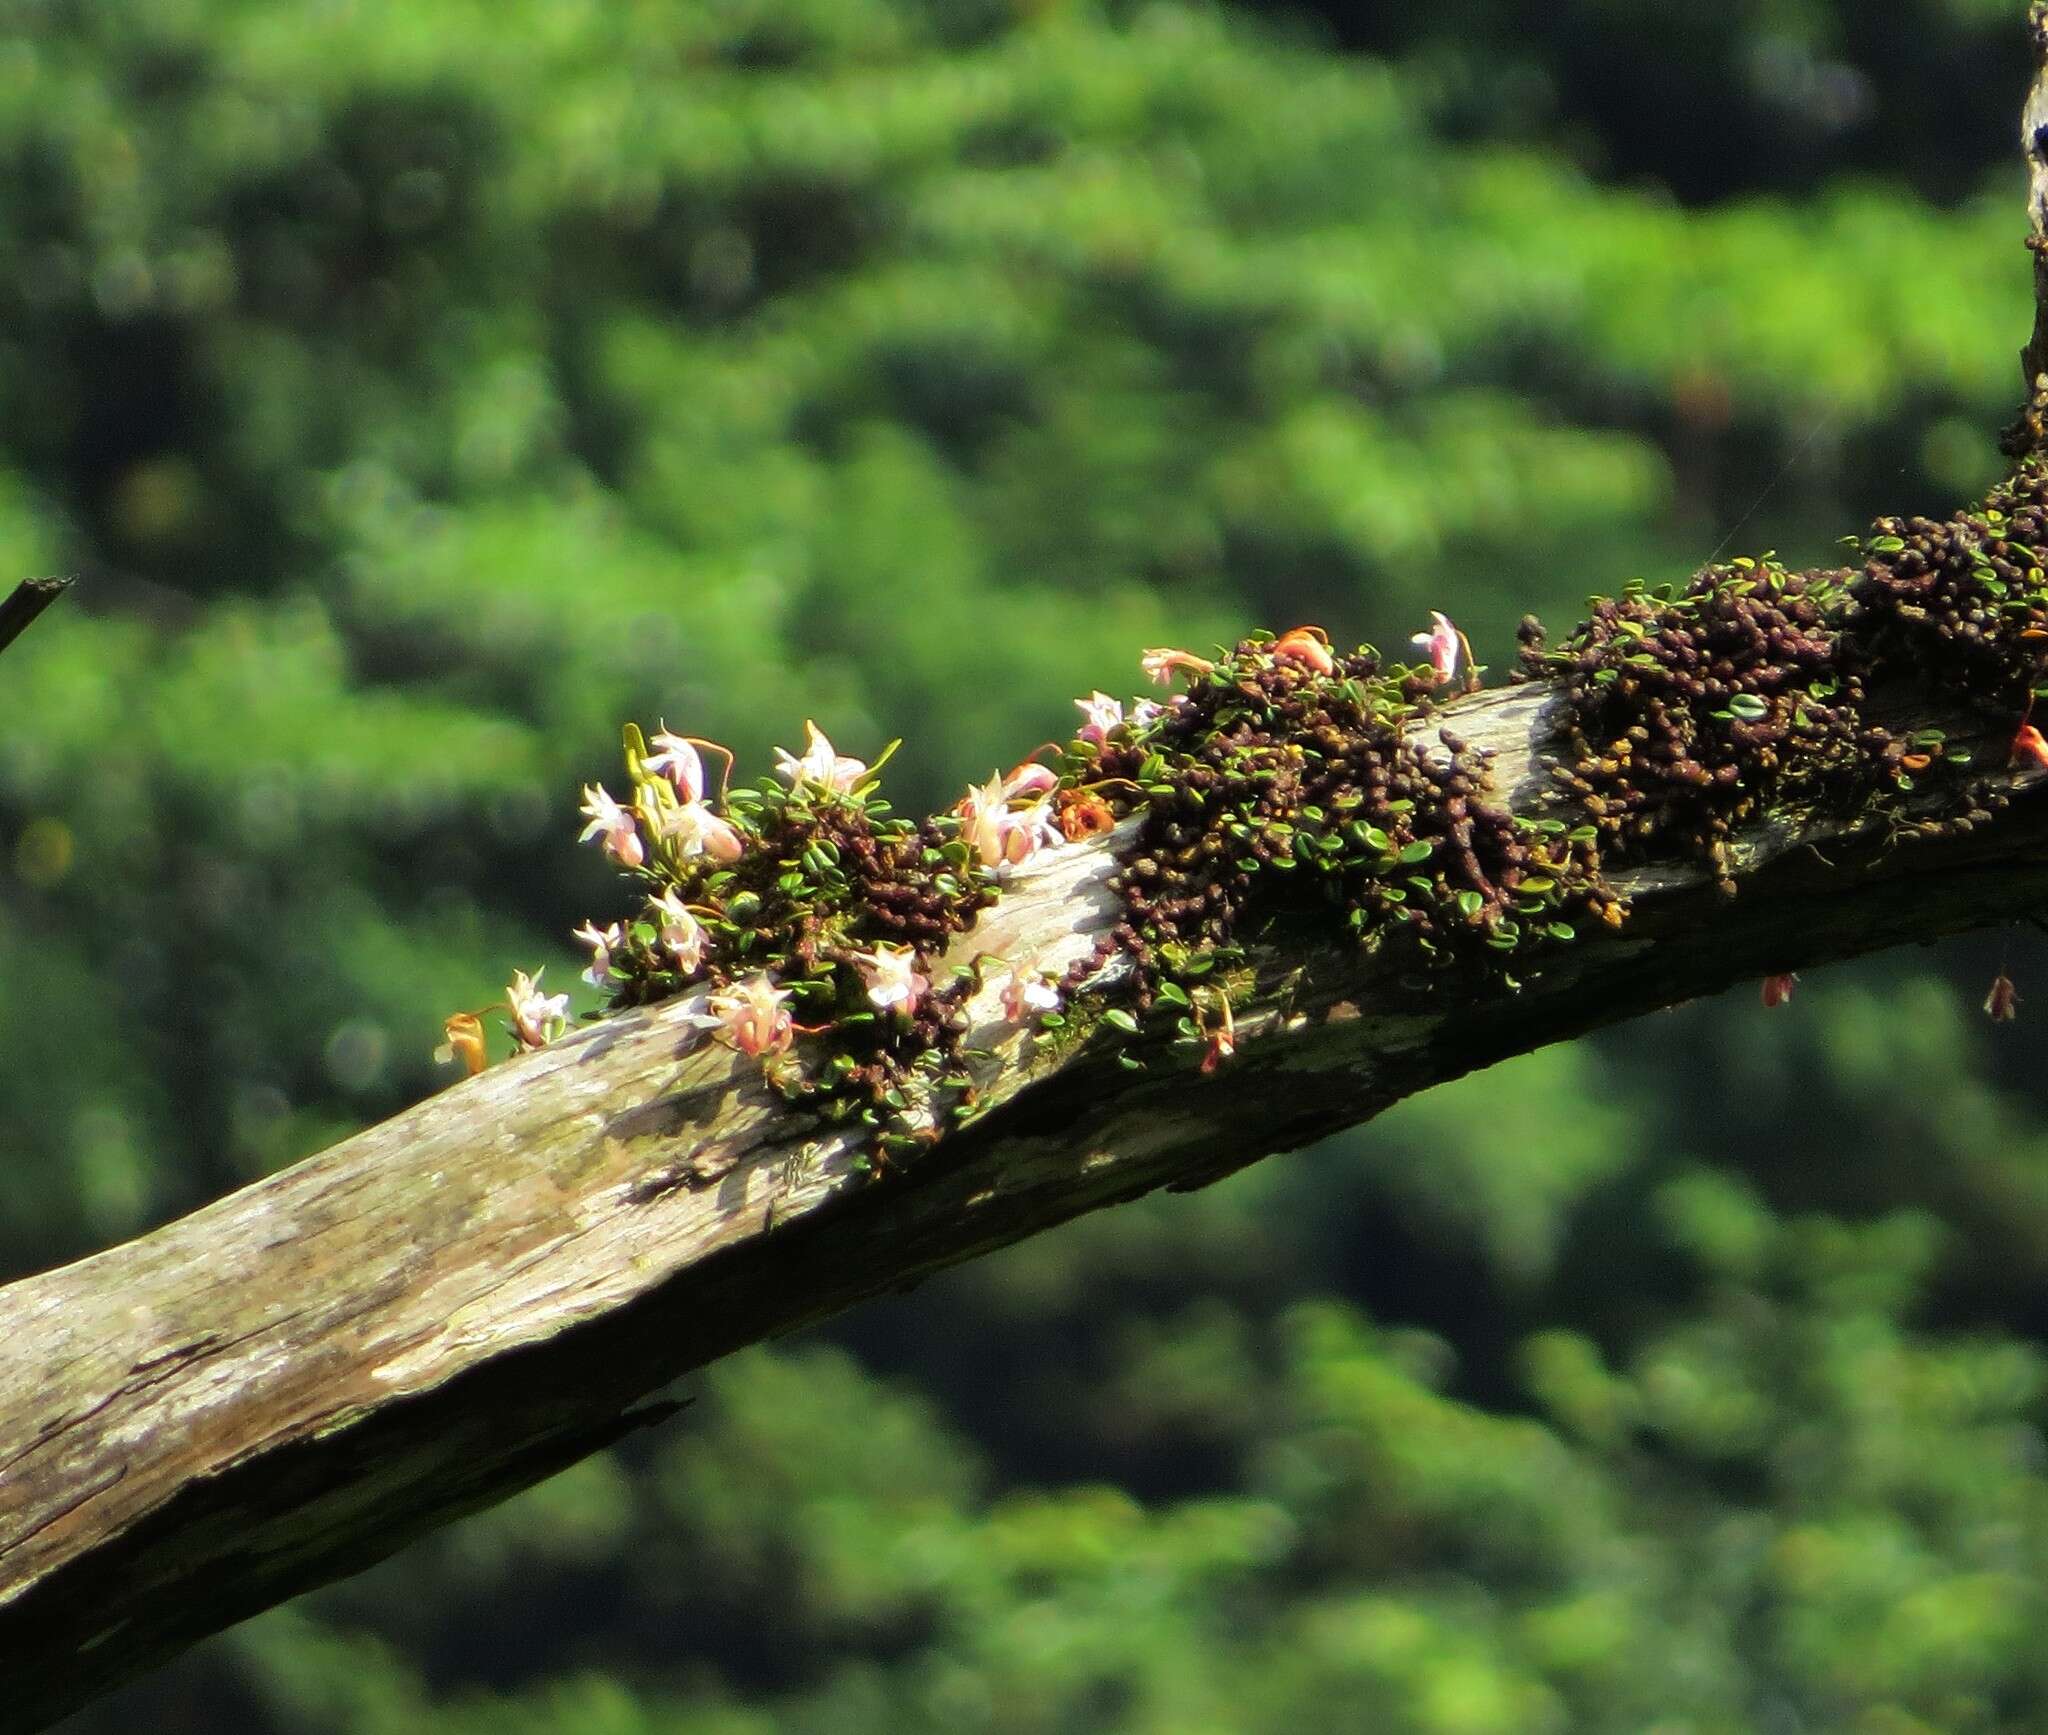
[422,387]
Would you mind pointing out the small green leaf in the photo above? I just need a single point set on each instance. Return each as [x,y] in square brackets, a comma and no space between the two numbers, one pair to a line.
[1119,1019]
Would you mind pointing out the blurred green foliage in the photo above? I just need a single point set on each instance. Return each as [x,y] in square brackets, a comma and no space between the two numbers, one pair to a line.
[422,388]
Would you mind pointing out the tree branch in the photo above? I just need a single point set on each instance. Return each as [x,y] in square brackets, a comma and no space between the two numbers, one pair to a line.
[303,1377]
[299,1379]
[2030,433]
[24,603]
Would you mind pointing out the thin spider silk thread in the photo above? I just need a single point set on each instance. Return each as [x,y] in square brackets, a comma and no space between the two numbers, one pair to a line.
[1823,425]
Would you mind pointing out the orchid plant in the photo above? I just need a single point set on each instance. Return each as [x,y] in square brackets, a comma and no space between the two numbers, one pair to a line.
[815,932]
[799,905]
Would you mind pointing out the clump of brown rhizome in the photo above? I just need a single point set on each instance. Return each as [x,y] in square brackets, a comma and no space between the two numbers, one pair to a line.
[1290,782]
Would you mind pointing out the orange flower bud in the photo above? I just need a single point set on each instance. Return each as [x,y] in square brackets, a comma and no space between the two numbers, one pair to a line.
[1310,645]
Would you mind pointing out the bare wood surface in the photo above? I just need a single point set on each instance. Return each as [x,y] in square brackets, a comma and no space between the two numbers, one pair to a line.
[299,1379]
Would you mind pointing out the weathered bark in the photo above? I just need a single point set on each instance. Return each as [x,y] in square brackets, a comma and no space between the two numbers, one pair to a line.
[301,1378]
[298,1380]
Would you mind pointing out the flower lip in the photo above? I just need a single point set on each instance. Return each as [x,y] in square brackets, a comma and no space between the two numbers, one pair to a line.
[1099,715]
[893,980]
[537,1018]
[1441,642]
[1161,663]
[614,825]
[680,762]
[696,830]
[1030,778]
[1003,837]
[750,1017]
[680,933]
[821,763]
[1028,992]
[601,942]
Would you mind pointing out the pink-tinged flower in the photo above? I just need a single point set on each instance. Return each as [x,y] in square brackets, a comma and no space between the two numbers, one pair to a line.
[1003,838]
[1309,645]
[678,760]
[1162,665]
[1030,778]
[2028,744]
[1441,642]
[696,830]
[681,934]
[1028,992]
[2003,1002]
[537,1018]
[821,763]
[614,824]
[1146,712]
[1099,714]
[892,977]
[1778,989]
[1222,1039]
[751,1017]
[600,941]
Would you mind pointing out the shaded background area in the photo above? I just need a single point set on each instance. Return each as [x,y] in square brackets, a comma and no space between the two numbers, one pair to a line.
[422,387]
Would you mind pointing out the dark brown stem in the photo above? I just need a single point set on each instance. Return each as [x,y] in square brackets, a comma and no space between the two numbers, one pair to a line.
[2029,434]
[28,600]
